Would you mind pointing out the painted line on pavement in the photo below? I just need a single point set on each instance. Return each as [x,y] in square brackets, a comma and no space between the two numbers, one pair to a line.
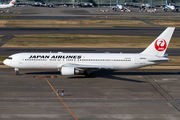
[61,99]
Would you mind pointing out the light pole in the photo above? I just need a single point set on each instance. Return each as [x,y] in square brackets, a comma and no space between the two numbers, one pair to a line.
[98,3]
[110,6]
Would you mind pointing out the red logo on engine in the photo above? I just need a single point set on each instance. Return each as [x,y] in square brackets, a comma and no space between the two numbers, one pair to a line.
[160,44]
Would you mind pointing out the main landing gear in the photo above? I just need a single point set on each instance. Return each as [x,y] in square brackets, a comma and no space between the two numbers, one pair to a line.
[16,71]
[88,73]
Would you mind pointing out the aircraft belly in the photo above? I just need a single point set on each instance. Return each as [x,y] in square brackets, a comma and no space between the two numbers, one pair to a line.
[122,65]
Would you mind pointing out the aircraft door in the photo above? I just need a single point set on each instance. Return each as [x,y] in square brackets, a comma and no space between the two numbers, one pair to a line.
[140,60]
[136,60]
[21,60]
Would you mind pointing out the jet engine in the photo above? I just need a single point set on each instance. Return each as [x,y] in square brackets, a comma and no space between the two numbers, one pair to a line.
[69,71]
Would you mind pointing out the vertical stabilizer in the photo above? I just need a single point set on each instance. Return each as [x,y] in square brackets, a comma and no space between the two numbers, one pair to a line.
[12,2]
[159,45]
[116,2]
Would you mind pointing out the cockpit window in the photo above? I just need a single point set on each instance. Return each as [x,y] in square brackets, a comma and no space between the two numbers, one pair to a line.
[10,58]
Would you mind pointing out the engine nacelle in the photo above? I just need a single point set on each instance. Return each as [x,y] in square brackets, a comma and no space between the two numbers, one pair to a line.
[67,71]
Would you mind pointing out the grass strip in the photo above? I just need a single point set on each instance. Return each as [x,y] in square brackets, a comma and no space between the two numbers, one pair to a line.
[2,58]
[82,41]
[72,23]
[161,67]
[161,18]
[166,23]
[68,35]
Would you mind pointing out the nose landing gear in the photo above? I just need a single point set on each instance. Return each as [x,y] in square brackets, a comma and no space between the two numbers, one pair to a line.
[16,71]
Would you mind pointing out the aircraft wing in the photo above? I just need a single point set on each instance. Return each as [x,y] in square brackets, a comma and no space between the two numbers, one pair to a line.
[111,7]
[84,66]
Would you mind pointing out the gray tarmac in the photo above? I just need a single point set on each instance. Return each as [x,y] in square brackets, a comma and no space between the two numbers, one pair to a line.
[129,31]
[109,95]
[82,12]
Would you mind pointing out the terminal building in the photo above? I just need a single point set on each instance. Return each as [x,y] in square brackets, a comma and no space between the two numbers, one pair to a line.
[98,2]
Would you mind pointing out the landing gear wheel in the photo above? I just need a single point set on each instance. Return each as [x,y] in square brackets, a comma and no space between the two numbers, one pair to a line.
[91,75]
[88,74]
[17,73]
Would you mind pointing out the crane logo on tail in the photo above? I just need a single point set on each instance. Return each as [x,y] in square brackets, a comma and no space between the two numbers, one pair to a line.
[160,44]
[12,2]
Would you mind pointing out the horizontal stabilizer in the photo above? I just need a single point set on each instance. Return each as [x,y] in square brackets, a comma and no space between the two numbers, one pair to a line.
[160,60]
[165,55]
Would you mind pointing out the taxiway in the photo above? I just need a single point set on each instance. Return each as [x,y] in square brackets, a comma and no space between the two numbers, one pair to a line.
[82,12]
[122,95]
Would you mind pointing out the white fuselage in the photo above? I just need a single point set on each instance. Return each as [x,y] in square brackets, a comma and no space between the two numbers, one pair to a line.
[170,7]
[121,7]
[57,60]
[6,5]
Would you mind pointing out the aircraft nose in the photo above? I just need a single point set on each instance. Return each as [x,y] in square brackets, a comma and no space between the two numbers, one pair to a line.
[5,62]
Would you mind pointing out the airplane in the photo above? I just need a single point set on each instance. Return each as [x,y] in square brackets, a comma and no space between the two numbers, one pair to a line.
[147,7]
[40,4]
[121,7]
[170,7]
[143,7]
[8,5]
[78,63]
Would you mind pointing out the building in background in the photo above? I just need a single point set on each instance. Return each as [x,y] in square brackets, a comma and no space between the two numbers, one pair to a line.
[96,2]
